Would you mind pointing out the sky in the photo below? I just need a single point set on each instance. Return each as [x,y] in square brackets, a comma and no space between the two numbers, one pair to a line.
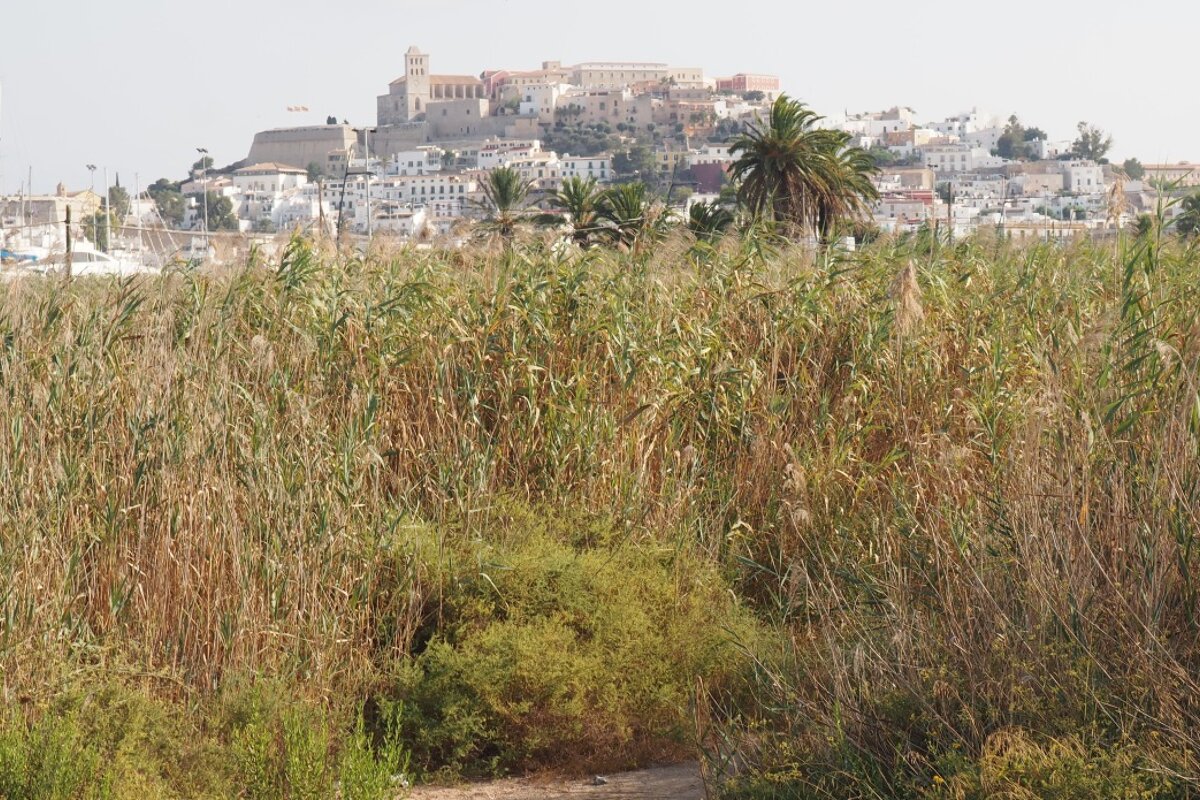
[135,86]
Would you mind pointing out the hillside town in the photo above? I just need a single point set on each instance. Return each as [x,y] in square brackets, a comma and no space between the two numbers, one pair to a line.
[417,172]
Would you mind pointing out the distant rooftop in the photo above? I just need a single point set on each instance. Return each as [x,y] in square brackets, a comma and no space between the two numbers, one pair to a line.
[270,168]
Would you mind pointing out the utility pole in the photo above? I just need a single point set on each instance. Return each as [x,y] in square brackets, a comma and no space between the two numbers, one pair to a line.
[107,214]
[320,209]
[67,258]
[204,188]
[950,215]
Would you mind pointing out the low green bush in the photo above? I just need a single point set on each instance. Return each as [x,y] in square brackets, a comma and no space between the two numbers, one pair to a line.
[49,760]
[559,645]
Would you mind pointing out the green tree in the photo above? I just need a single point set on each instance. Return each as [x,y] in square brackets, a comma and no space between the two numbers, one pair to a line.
[96,227]
[1133,169]
[1092,144]
[808,178]
[170,201]
[1018,143]
[754,96]
[637,164]
[505,196]
[1187,224]
[204,163]
[882,156]
[120,200]
[331,120]
[580,199]
[580,140]
[315,172]
[220,212]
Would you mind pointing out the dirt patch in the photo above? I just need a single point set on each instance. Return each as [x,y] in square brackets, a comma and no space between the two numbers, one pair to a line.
[661,783]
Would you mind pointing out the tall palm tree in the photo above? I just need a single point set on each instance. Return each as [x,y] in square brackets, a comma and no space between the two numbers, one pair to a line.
[852,168]
[505,195]
[580,199]
[805,177]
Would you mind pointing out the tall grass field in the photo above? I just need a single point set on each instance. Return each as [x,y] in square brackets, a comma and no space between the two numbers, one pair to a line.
[919,521]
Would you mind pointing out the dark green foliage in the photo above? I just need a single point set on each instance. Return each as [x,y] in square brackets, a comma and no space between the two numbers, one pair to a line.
[220,212]
[580,140]
[1092,144]
[807,178]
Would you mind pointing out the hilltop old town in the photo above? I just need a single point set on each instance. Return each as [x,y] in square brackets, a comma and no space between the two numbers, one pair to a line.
[417,172]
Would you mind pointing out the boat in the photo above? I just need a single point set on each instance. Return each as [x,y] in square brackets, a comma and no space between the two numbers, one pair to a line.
[88,261]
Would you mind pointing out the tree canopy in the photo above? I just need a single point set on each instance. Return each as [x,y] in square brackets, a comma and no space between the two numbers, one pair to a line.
[1092,144]
[1019,143]
[806,177]
[506,194]
[220,212]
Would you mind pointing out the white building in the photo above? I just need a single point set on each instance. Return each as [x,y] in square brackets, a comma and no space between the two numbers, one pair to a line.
[875,124]
[542,100]
[598,167]
[403,221]
[421,161]
[951,158]
[967,123]
[1083,177]
[302,207]
[269,178]
[498,153]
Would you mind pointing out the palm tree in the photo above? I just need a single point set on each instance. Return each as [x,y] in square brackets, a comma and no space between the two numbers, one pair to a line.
[808,178]
[580,199]
[709,221]
[505,195]
[630,212]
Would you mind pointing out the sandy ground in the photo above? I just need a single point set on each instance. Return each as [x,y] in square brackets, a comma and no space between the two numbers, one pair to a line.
[663,783]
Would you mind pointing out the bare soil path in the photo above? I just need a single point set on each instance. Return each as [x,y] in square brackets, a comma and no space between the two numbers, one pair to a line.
[661,783]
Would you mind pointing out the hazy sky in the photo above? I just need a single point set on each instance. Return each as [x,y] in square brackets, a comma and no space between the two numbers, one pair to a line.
[137,85]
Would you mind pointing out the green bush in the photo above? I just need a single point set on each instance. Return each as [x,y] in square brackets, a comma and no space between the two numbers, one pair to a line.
[49,760]
[370,772]
[560,647]
[283,754]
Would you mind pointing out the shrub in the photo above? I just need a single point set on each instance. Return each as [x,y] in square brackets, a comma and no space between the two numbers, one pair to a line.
[49,760]
[554,653]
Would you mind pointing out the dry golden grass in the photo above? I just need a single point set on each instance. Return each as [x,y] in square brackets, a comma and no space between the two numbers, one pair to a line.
[961,484]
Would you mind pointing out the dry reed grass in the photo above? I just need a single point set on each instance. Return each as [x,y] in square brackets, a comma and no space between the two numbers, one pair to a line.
[991,527]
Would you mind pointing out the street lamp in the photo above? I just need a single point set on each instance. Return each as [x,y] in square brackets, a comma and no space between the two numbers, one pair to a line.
[204,188]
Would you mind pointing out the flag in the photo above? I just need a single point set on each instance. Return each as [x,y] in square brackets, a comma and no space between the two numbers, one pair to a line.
[297,108]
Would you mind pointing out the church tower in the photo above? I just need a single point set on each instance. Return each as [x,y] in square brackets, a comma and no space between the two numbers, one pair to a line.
[416,74]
